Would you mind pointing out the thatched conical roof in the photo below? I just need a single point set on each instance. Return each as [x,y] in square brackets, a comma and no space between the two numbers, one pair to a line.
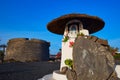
[91,23]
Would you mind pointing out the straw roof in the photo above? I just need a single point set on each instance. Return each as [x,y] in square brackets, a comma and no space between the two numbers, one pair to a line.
[91,23]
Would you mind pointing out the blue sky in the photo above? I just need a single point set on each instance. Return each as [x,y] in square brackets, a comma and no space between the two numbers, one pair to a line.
[28,19]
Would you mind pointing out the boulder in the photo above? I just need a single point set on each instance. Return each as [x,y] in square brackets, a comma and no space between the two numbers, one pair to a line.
[102,42]
[64,70]
[94,38]
[71,74]
[91,60]
[98,40]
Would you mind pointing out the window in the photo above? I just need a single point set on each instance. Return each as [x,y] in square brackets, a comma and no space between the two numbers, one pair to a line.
[73,28]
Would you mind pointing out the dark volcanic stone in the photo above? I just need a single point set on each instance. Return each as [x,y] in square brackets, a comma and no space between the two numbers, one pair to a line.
[91,61]
[98,40]
[94,38]
[64,69]
[113,76]
[103,42]
[71,74]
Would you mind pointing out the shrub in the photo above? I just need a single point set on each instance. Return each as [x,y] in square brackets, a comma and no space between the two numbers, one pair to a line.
[69,63]
[117,56]
[65,39]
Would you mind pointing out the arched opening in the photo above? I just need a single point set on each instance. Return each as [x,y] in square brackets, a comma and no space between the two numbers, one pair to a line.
[73,30]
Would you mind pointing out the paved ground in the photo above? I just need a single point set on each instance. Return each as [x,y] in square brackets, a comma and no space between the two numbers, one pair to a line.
[27,71]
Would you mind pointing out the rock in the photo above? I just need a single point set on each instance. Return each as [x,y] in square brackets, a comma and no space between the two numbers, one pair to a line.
[102,42]
[89,37]
[98,40]
[91,60]
[71,74]
[64,70]
[113,76]
[94,38]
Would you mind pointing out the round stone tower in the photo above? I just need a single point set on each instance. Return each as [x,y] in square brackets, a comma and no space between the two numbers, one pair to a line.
[23,50]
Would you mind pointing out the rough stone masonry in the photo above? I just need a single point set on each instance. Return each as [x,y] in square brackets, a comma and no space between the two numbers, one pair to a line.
[92,61]
[23,50]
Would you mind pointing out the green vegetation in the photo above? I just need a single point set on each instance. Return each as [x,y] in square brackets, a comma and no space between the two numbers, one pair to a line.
[113,52]
[69,63]
[80,34]
[65,39]
[117,56]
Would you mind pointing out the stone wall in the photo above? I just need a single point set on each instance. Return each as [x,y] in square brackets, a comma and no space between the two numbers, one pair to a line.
[23,50]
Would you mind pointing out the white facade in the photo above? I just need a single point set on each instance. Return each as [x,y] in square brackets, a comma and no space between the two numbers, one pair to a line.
[71,32]
[66,52]
[117,69]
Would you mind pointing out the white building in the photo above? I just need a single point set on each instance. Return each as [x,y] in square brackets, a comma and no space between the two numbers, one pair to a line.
[72,29]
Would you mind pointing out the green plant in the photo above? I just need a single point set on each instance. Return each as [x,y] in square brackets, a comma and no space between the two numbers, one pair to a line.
[117,56]
[80,34]
[69,63]
[113,49]
[65,39]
